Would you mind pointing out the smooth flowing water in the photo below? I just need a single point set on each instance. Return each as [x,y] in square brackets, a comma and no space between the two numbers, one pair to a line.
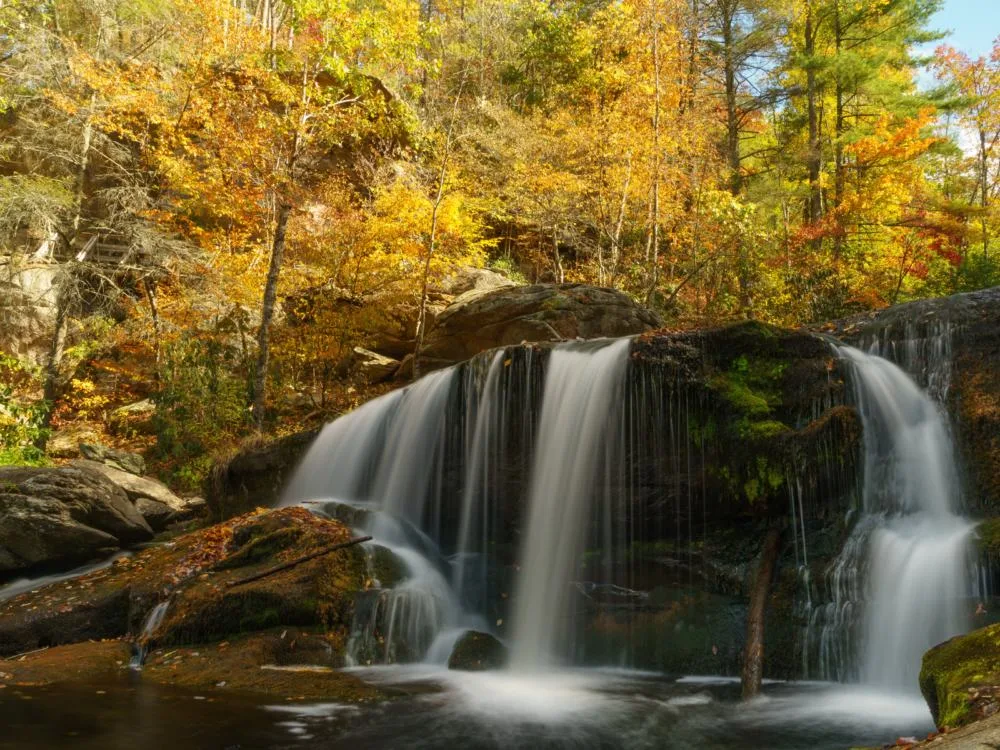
[918,545]
[581,403]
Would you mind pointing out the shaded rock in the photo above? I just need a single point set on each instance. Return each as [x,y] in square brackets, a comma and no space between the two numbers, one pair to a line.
[477,652]
[132,463]
[65,442]
[201,573]
[540,312]
[255,476]
[61,514]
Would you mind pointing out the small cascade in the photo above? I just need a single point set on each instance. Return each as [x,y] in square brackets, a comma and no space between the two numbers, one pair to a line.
[900,583]
[580,408]
[152,623]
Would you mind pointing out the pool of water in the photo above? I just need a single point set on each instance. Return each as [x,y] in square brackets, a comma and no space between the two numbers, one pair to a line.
[440,710]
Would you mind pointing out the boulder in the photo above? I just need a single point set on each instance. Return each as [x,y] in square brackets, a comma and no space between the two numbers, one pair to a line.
[470,279]
[136,418]
[153,499]
[65,442]
[477,652]
[133,463]
[477,321]
[372,366]
[960,678]
[54,515]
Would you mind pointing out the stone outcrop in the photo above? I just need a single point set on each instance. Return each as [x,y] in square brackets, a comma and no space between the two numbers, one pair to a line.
[255,476]
[966,329]
[51,515]
[476,322]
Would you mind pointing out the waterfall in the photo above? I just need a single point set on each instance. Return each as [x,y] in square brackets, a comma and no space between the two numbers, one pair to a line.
[582,400]
[918,551]
[149,627]
[899,585]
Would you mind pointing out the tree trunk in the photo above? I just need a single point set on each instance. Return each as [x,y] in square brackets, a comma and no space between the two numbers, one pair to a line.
[753,653]
[267,313]
[653,239]
[814,158]
[840,127]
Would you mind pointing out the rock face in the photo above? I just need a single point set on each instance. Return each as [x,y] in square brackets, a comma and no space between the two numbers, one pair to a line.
[543,312]
[477,652]
[199,575]
[966,328]
[53,515]
[255,476]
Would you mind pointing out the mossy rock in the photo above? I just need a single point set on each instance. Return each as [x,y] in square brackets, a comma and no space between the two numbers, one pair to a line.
[960,679]
[477,652]
[987,536]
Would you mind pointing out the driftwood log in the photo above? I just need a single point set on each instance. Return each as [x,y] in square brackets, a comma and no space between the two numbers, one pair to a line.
[753,653]
[299,561]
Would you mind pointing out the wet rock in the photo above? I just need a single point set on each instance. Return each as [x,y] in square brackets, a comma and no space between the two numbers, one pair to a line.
[202,575]
[542,312]
[960,678]
[477,652]
[124,461]
[50,515]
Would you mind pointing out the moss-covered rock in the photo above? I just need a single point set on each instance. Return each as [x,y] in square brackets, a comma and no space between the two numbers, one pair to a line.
[960,679]
[477,652]
[201,575]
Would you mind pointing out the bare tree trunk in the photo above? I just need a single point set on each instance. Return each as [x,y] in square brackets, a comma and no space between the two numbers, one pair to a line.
[814,158]
[653,239]
[154,315]
[432,238]
[753,653]
[267,314]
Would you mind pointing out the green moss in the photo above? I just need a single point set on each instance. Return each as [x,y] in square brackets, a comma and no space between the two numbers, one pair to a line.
[988,536]
[263,547]
[956,668]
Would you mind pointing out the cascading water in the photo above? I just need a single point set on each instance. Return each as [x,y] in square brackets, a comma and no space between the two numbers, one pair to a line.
[583,393]
[899,585]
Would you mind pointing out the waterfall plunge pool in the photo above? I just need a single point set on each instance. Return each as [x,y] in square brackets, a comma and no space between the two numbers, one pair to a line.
[437,709]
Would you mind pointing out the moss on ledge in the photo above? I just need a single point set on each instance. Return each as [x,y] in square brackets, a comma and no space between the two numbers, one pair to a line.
[960,679]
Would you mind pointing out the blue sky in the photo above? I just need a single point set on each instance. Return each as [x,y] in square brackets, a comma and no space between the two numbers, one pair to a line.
[974,24]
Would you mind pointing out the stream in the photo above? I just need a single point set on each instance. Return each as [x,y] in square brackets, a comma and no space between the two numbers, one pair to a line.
[444,710]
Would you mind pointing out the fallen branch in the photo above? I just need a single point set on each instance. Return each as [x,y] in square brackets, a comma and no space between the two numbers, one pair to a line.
[299,561]
[26,653]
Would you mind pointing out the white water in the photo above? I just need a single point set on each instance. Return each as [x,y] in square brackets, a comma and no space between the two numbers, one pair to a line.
[916,539]
[21,585]
[583,393]
[153,621]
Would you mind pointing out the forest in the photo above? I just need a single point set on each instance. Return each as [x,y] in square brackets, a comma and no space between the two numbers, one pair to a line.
[207,206]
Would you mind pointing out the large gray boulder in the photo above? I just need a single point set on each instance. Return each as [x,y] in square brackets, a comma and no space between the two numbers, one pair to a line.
[151,497]
[506,316]
[51,515]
